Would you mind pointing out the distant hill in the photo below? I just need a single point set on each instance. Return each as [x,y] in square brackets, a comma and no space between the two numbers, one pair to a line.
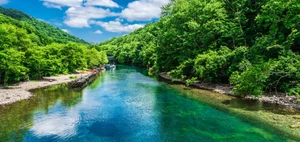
[44,30]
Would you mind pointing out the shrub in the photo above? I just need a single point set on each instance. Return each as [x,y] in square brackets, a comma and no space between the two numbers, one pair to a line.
[191,81]
[252,81]
[212,65]
[73,77]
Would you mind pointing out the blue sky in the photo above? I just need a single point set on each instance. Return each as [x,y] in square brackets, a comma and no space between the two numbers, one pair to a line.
[91,20]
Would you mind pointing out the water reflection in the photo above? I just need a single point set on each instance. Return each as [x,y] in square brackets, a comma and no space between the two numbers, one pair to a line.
[123,105]
[18,118]
[61,125]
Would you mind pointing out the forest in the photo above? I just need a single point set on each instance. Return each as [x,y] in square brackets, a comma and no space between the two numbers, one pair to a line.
[31,49]
[251,45]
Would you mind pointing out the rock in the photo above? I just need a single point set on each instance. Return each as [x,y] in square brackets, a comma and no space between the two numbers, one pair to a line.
[296,117]
[296,125]
[7,98]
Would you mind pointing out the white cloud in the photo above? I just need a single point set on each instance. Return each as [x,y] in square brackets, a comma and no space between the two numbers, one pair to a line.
[75,3]
[78,17]
[56,124]
[62,3]
[65,30]
[80,12]
[105,3]
[143,10]
[52,5]
[98,32]
[3,2]
[117,26]
[57,24]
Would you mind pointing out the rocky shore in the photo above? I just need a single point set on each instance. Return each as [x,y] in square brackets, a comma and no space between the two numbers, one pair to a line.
[83,81]
[21,91]
[281,99]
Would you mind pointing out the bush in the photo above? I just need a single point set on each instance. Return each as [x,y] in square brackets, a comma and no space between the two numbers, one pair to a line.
[212,65]
[252,81]
[73,77]
[183,71]
[191,81]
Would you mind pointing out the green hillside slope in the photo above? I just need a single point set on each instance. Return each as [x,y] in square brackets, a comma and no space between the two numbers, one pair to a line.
[27,52]
[44,29]
[253,45]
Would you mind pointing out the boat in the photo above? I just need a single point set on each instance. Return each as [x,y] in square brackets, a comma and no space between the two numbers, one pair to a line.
[109,66]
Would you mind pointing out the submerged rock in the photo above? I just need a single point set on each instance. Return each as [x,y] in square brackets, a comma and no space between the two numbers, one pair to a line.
[281,99]
[296,117]
[297,125]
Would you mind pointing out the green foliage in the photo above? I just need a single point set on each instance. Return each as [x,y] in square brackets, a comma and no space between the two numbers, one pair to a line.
[36,62]
[191,81]
[18,15]
[26,54]
[11,67]
[294,91]
[44,31]
[95,58]
[73,57]
[211,65]
[252,81]
[254,45]
[73,77]
[182,71]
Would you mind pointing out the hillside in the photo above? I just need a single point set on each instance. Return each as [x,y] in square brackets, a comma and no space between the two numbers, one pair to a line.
[43,29]
[27,52]
[253,45]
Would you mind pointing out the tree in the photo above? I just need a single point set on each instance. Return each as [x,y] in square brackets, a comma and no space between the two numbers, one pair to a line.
[11,67]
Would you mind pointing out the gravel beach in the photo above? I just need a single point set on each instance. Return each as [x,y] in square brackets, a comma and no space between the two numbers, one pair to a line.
[20,91]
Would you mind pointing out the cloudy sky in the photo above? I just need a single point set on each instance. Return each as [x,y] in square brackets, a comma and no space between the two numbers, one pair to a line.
[91,20]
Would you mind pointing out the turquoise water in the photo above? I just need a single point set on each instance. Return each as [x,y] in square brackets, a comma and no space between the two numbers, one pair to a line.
[122,105]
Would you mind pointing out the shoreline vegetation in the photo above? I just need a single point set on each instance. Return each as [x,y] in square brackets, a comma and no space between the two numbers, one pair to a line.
[21,91]
[31,49]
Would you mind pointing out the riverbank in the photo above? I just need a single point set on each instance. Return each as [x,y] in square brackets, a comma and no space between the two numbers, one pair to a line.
[21,91]
[271,98]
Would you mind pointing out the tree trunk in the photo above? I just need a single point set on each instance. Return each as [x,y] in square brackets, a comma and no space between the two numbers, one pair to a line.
[5,78]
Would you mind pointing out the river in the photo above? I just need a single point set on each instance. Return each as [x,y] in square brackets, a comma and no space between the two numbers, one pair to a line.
[124,105]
